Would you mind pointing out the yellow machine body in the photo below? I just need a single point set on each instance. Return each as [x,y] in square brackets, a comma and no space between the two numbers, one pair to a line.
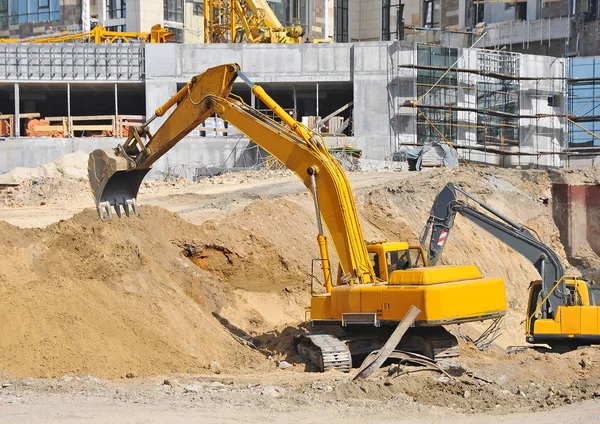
[444,294]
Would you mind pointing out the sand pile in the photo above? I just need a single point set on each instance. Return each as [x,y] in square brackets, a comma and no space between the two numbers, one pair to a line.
[85,297]
[150,295]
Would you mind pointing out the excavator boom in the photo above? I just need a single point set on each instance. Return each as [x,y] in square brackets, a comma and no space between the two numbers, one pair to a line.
[115,175]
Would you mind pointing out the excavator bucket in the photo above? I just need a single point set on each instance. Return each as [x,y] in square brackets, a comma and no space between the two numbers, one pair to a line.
[113,185]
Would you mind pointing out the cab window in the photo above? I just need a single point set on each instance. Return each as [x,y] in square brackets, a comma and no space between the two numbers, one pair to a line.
[397,260]
[416,257]
[375,262]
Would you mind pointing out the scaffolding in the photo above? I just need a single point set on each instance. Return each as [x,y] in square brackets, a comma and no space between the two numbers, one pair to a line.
[481,108]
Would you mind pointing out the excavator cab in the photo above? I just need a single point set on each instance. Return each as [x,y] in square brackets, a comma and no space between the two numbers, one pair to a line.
[389,256]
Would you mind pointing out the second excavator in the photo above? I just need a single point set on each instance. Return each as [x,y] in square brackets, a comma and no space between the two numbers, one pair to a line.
[376,283]
[563,311]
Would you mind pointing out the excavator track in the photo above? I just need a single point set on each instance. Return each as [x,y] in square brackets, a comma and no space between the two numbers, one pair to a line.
[325,351]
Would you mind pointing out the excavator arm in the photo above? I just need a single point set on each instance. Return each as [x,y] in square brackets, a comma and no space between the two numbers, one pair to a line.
[115,175]
[514,235]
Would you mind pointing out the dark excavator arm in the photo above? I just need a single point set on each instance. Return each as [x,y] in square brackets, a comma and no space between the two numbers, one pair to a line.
[514,235]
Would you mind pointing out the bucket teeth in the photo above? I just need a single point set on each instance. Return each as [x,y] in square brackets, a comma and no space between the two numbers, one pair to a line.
[104,207]
[129,205]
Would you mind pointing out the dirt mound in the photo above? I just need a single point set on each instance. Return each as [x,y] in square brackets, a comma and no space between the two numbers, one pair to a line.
[86,297]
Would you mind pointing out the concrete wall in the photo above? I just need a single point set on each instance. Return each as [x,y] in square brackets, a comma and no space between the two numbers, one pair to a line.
[189,154]
[368,65]
[576,211]
[263,63]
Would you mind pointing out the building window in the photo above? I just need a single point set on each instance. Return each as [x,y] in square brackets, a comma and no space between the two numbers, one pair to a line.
[116,9]
[198,9]
[392,23]
[117,28]
[3,13]
[431,13]
[341,21]
[498,116]
[173,10]
[297,13]
[584,102]
[440,117]
[22,11]
[385,20]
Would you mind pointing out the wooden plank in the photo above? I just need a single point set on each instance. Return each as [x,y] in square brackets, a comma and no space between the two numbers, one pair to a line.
[370,366]
[46,128]
[133,117]
[93,128]
[22,115]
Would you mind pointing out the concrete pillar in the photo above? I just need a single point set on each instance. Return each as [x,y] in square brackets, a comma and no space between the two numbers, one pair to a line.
[70,133]
[17,122]
[317,113]
[116,111]
[158,91]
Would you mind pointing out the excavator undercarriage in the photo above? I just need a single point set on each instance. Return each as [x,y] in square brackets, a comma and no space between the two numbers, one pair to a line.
[335,349]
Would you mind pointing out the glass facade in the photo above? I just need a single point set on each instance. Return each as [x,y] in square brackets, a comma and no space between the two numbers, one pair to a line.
[22,11]
[341,21]
[291,12]
[443,94]
[584,102]
[499,122]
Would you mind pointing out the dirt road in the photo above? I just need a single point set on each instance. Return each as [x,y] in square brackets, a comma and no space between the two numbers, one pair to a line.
[96,401]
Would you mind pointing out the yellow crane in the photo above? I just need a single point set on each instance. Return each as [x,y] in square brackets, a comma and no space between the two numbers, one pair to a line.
[376,284]
[250,21]
[100,35]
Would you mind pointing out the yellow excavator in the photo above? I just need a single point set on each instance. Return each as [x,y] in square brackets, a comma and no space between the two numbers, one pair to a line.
[376,283]
[563,311]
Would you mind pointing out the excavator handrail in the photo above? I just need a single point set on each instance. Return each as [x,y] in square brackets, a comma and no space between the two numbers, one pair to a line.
[514,235]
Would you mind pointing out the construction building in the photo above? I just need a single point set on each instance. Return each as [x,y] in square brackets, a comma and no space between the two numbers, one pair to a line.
[494,107]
